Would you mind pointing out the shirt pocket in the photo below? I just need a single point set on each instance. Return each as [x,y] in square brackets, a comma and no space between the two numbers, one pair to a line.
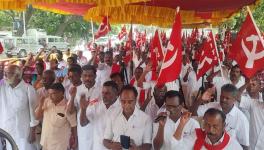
[59,120]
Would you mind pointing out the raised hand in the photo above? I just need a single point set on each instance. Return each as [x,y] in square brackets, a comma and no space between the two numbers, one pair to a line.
[83,102]
[185,117]
[208,94]
[73,91]
[42,99]
[162,118]
[148,67]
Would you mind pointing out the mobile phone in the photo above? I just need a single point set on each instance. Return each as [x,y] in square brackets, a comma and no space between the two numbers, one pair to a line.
[125,141]
[159,118]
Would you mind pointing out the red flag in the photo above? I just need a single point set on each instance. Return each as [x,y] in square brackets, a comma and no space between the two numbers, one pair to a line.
[248,49]
[227,42]
[140,38]
[194,35]
[156,54]
[208,57]
[156,47]
[123,33]
[144,38]
[128,45]
[103,29]
[1,48]
[163,36]
[171,66]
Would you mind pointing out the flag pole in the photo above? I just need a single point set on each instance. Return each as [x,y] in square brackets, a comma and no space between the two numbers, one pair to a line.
[108,44]
[250,14]
[92,30]
[216,49]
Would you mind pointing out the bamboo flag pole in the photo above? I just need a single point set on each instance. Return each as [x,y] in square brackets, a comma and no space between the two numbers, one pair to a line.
[217,54]
[108,43]
[92,30]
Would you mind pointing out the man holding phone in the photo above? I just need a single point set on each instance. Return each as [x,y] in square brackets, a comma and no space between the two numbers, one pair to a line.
[131,125]
[166,123]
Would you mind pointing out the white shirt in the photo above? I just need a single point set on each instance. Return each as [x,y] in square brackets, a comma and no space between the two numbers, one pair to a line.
[173,85]
[82,61]
[153,109]
[244,110]
[219,82]
[138,127]
[237,124]
[187,143]
[137,62]
[183,72]
[97,114]
[169,129]
[256,110]
[103,73]
[85,134]
[193,84]
[17,107]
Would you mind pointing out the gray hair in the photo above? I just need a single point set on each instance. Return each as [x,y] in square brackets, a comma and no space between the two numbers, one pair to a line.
[230,88]
[18,71]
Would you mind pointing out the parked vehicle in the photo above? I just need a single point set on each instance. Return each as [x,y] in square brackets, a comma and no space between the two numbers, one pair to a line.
[31,43]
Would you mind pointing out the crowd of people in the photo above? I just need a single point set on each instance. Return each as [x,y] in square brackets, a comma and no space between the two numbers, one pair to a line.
[56,101]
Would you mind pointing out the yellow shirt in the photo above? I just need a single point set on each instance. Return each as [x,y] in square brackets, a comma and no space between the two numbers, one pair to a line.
[53,56]
[57,123]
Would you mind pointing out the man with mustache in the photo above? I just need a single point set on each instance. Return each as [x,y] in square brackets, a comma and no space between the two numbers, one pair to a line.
[92,92]
[212,137]
[164,128]
[17,103]
[237,124]
[252,102]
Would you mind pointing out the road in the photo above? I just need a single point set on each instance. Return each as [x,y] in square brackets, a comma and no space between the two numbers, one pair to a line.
[2,56]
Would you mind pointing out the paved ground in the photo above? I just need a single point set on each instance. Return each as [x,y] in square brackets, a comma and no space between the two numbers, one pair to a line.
[2,56]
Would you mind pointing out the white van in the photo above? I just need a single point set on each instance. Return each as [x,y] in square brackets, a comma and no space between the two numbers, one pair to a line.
[21,46]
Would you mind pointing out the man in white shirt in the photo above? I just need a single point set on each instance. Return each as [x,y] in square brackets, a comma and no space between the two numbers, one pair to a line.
[163,131]
[212,137]
[251,90]
[235,78]
[61,62]
[156,104]
[81,60]
[253,103]
[92,92]
[104,70]
[74,79]
[119,80]
[193,84]
[98,112]
[185,65]
[17,104]
[237,124]
[130,121]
